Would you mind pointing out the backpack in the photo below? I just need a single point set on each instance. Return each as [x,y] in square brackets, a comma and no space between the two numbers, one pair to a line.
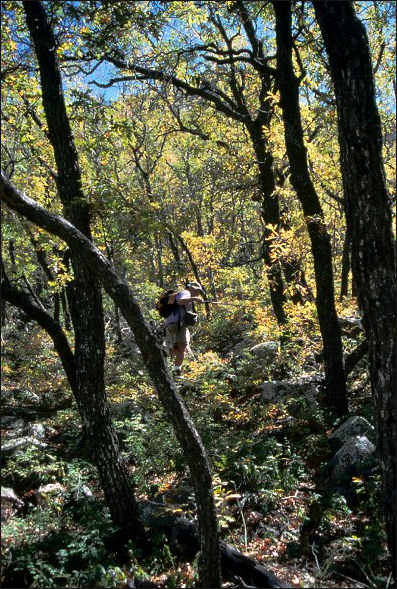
[163,307]
[189,318]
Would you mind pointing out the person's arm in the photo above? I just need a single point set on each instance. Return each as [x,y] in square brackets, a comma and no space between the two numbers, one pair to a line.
[187,300]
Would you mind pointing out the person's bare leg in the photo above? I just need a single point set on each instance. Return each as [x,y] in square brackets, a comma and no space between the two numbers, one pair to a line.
[179,354]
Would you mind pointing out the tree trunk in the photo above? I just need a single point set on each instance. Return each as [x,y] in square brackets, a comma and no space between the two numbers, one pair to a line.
[65,311]
[159,254]
[184,542]
[117,325]
[85,302]
[195,269]
[155,361]
[321,247]
[368,218]
[42,260]
[25,301]
[270,216]
[344,283]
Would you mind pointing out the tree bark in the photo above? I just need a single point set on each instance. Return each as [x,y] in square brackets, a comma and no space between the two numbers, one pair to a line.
[288,84]
[155,361]
[85,300]
[270,216]
[368,218]
[344,283]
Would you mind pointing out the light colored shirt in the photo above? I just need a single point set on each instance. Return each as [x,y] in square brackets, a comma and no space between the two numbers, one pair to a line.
[174,317]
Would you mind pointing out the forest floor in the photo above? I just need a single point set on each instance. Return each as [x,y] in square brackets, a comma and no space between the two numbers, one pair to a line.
[264,463]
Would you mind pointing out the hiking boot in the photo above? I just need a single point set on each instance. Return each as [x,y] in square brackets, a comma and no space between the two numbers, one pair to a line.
[177,371]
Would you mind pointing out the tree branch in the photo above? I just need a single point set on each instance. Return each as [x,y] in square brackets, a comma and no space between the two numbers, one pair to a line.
[28,305]
[220,101]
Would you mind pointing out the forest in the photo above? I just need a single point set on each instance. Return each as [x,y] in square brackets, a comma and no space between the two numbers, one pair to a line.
[244,151]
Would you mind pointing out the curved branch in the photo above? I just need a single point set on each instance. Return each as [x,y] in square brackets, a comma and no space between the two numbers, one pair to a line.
[28,305]
[221,101]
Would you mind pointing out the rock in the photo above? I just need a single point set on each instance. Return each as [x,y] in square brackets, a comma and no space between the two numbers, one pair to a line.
[44,493]
[36,430]
[351,326]
[51,488]
[17,445]
[14,425]
[10,502]
[269,390]
[240,347]
[81,493]
[354,458]
[354,426]
[25,396]
[305,389]
[9,495]
[265,351]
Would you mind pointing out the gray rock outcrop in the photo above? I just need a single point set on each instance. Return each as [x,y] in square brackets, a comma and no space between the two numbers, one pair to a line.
[354,458]
[274,391]
[266,351]
[354,426]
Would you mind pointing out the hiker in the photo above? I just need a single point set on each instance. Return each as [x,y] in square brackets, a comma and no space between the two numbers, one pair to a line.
[181,306]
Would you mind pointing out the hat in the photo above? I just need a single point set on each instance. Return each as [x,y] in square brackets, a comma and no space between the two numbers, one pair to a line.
[195,285]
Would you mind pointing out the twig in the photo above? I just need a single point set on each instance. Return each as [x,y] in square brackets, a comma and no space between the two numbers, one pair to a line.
[244,524]
[316,559]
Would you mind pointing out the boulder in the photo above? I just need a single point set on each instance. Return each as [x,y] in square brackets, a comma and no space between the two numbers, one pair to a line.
[25,395]
[351,326]
[270,390]
[81,493]
[13,425]
[36,430]
[354,426]
[282,390]
[9,495]
[45,492]
[17,445]
[355,457]
[10,502]
[266,351]
[241,346]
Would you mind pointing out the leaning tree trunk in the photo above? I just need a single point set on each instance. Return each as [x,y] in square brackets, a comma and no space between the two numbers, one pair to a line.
[85,300]
[155,361]
[288,84]
[368,218]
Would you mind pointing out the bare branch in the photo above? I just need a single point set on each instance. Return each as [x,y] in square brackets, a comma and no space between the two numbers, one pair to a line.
[379,59]
[220,100]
